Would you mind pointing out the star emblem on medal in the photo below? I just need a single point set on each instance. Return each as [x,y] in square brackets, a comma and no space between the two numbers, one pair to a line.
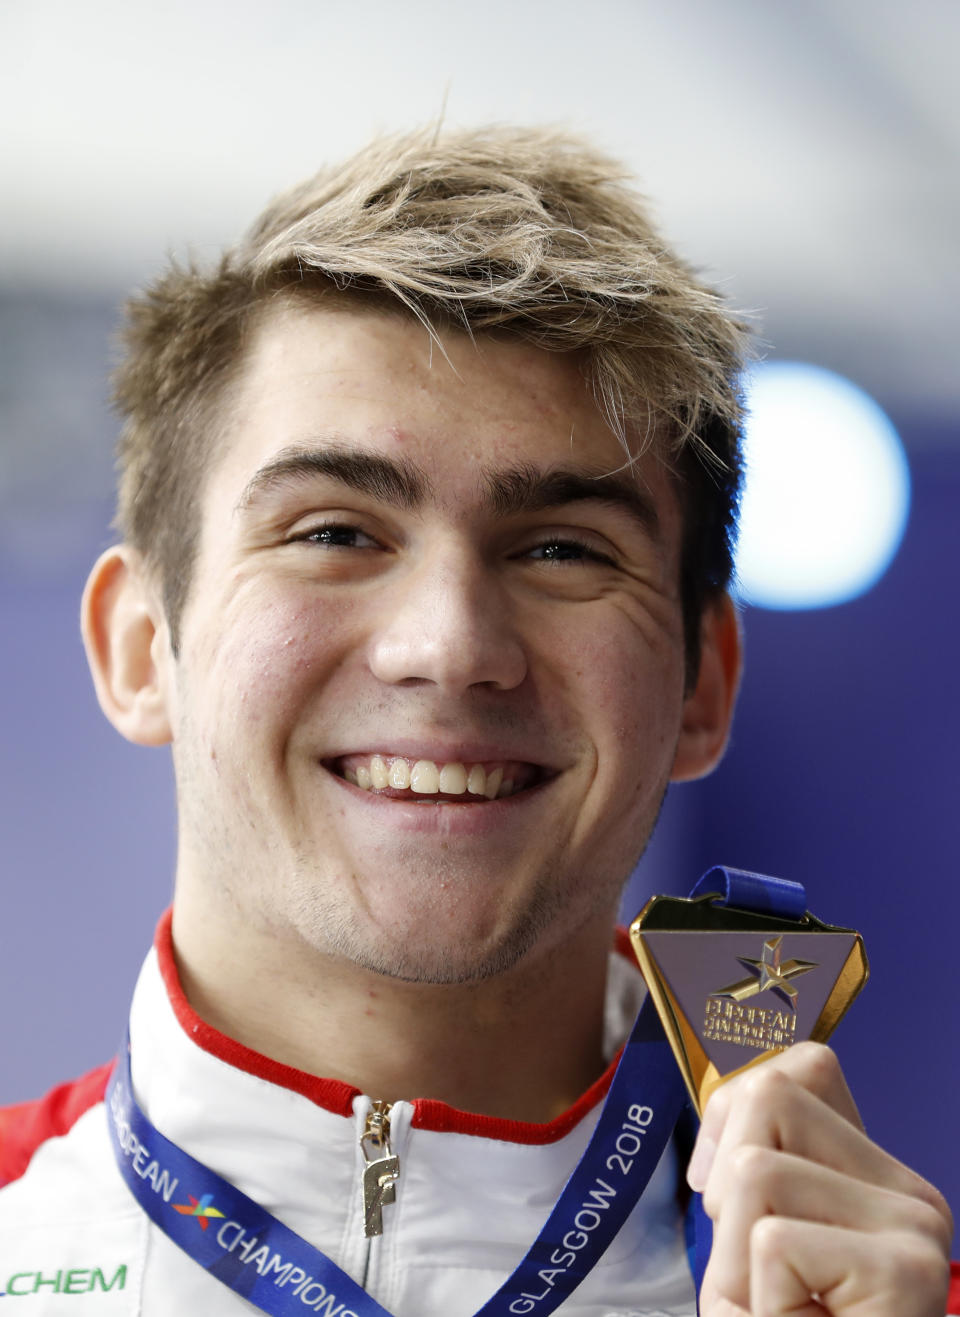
[769,972]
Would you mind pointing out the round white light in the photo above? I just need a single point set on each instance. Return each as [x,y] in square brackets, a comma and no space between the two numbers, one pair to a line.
[827,489]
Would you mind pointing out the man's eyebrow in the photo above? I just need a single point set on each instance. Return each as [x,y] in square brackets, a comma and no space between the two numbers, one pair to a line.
[529,489]
[388,480]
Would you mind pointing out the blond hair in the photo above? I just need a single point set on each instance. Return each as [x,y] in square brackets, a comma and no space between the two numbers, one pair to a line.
[526,231]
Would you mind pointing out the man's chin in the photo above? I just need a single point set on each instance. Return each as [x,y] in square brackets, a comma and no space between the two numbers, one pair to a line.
[423,954]
[441,966]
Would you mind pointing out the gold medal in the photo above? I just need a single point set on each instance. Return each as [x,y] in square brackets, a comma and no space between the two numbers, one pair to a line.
[735,986]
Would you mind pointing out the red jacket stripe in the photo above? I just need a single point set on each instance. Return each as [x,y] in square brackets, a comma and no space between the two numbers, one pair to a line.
[25,1127]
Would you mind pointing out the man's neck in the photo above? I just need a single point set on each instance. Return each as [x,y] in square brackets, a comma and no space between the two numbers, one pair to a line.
[522,1045]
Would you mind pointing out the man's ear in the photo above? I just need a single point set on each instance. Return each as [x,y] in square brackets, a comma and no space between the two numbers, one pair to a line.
[708,707]
[128,648]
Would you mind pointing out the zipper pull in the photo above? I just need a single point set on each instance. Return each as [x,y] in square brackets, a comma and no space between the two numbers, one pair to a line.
[381,1169]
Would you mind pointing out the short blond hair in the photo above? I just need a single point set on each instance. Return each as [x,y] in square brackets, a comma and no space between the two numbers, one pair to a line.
[525,231]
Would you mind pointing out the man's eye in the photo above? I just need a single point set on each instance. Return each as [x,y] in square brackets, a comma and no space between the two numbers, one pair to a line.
[336,536]
[566,550]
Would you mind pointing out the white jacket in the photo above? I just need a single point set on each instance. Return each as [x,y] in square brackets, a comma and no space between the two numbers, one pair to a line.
[472,1194]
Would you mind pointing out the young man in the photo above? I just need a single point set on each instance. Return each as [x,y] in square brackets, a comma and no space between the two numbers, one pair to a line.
[426,501]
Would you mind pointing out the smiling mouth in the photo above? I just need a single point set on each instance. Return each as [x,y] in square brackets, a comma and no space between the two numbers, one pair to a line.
[428,782]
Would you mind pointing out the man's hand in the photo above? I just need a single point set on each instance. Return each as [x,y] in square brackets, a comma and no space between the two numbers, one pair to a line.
[810,1216]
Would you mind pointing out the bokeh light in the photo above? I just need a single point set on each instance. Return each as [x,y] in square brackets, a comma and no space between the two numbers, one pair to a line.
[827,490]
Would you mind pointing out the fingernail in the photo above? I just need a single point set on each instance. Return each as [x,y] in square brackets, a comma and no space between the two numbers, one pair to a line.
[698,1170]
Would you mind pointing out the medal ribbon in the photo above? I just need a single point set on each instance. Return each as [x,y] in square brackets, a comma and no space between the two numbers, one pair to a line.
[250,1251]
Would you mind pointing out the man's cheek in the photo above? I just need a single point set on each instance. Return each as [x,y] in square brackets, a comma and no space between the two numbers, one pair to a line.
[261,668]
[631,688]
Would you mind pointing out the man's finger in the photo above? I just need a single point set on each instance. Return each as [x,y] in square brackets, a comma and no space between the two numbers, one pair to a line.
[773,1111]
[811,1065]
[849,1272]
[770,1183]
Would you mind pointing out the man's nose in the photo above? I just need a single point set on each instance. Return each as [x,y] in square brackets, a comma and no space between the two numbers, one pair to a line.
[449,623]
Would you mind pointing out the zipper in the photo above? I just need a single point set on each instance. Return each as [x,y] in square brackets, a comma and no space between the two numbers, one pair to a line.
[381,1169]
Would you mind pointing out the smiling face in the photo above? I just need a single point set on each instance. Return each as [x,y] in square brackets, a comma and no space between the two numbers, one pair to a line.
[430,683]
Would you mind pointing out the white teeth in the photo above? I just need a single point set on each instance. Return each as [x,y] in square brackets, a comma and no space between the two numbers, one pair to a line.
[453,779]
[425,778]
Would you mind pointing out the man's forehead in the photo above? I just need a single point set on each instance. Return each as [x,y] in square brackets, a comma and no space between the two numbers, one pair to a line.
[321,383]
[375,354]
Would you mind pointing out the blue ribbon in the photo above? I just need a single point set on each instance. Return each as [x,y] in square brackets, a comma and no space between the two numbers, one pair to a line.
[754,891]
[274,1268]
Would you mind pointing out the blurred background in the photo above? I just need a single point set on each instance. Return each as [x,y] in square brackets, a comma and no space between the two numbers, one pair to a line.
[804,156]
